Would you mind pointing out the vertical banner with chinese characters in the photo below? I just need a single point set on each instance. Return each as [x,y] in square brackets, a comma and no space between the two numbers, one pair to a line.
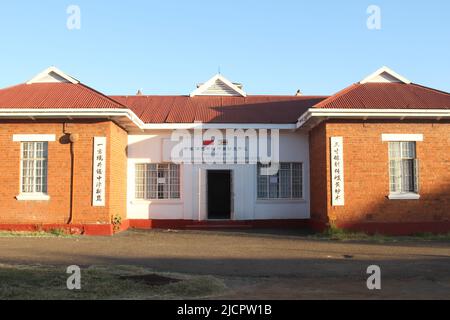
[337,171]
[99,172]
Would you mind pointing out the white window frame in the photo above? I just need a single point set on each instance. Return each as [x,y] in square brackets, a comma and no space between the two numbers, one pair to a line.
[405,195]
[32,196]
[146,192]
[279,198]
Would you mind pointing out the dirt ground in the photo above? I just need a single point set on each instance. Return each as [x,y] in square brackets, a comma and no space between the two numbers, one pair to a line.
[267,264]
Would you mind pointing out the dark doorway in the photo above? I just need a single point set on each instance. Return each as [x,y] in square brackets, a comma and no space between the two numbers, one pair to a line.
[219,194]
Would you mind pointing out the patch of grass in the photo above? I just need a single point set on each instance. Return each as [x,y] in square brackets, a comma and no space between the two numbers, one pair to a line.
[35,234]
[58,232]
[334,233]
[432,236]
[101,282]
[195,287]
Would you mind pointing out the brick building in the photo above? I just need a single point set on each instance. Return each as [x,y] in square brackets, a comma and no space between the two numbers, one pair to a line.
[373,157]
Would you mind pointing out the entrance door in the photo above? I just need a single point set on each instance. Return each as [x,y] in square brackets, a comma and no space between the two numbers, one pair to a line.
[219,194]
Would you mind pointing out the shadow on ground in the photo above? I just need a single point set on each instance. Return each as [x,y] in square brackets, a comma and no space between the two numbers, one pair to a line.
[257,266]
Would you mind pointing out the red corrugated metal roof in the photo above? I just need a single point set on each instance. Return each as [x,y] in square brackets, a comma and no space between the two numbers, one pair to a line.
[219,109]
[223,109]
[54,96]
[387,96]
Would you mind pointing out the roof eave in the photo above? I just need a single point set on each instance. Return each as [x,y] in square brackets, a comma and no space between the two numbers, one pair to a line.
[315,116]
[125,118]
[206,125]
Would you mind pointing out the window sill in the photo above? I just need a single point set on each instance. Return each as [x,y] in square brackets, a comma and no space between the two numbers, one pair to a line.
[32,197]
[157,201]
[279,201]
[404,196]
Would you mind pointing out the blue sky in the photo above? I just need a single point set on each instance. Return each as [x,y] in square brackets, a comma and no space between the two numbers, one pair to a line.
[272,47]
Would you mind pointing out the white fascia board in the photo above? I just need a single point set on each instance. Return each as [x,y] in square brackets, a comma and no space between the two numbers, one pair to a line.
[172,126]
[61,110]
[72,113]
[135,119]
[379,111]
[373,113]
[111,113]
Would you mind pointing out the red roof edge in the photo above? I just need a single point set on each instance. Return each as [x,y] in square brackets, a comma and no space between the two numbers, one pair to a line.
[102,95]
[430,89]
[335,96]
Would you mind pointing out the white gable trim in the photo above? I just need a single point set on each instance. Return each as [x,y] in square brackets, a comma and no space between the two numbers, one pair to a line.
[202,90]
[40,78]
[375,77]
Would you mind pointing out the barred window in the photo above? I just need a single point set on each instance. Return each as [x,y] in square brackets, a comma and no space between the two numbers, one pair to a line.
[157,181]
[34,167]
[403,167]
[286,184]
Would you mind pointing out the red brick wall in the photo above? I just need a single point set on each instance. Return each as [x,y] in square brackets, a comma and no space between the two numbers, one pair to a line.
[57,209]
[318,173]
[367,176]
[118,176]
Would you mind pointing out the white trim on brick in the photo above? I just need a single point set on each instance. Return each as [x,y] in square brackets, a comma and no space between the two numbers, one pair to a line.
[34,138]
[33,197]
[402,137]
[404,196]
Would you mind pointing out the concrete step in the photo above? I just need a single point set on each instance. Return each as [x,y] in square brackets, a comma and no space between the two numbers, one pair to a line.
[218,226]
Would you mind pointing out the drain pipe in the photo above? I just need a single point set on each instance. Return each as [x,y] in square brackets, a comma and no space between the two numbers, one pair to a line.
[199,194]
[73,137]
